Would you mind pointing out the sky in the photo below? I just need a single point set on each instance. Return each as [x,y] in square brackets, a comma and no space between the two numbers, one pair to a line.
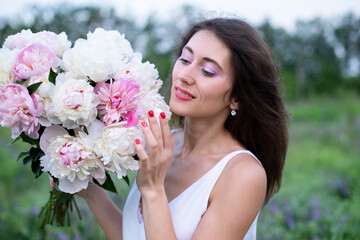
[282,13]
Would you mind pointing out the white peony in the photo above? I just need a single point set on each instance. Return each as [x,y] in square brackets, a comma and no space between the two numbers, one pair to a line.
[7,58]
[69,159]
[73,102]
[44,90]
[155,102]
[145,74]
[98,57]
[55,43]
[117,148]
[19,40]
[58,44]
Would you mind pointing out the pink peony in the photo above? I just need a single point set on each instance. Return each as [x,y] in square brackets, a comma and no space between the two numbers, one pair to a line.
[19,110]
[48,39]
[33,61]
[118,101]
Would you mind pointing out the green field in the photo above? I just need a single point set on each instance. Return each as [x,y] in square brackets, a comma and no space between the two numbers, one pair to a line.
[319,197]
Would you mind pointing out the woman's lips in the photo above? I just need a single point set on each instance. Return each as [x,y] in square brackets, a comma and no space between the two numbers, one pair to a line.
[183,94]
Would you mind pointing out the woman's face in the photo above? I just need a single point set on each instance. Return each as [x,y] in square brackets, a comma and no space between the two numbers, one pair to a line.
[202,78]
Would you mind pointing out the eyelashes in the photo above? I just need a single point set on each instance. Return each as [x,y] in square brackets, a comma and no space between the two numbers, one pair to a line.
[209,69]
[205,70]
[184,60]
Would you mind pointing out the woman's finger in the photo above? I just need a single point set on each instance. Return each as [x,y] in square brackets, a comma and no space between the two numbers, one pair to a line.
[155,129]
[166,132]
[150,139]
[140,151]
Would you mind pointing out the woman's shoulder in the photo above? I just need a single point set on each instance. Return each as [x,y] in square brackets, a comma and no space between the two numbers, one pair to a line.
[242,175]
[246,165]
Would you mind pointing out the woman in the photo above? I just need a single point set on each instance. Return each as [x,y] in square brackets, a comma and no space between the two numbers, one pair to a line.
[210,178]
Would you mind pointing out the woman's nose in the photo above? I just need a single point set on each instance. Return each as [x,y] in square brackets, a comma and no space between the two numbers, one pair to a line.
[187,74]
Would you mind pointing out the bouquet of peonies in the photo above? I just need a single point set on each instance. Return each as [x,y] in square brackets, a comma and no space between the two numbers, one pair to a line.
[78,107]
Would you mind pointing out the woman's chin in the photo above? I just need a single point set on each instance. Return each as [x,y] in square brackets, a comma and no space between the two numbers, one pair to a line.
[176,112]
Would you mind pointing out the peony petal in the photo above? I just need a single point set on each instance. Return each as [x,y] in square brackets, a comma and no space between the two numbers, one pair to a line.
[49,133]
[132,117]
[34,60]
[72,187]
[98,174]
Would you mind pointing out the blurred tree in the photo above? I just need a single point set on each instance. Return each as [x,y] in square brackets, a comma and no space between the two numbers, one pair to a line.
[315,59]
[317,63]
[281,44]
[160,38]
[76,22]
[307,59]
[347,34]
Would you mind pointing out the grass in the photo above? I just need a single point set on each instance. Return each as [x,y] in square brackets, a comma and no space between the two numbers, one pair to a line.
[319,197]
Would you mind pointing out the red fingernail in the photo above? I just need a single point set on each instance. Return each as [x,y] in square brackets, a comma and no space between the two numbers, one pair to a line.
[137,141]
[144,124]
[162,115]
[151,113]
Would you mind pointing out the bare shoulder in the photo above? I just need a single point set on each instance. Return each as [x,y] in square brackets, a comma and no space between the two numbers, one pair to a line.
[242,175]
[244,166]
[238,194]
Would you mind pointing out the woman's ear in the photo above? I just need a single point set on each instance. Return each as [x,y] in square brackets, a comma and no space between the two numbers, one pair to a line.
[234,105]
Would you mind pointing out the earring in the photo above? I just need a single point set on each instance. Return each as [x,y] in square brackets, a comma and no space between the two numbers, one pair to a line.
[233,112]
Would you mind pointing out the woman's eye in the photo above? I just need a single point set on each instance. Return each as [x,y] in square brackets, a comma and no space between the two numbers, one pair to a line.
[208,73]
[184,60]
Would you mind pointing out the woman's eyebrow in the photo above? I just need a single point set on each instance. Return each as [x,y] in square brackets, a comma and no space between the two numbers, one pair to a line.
[205,58]
[189,49]
[213,61]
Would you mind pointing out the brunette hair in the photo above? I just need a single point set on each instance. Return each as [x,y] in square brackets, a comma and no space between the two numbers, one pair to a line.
[261,120]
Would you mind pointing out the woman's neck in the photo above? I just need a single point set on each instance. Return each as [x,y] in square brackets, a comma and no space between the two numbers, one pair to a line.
[203,136]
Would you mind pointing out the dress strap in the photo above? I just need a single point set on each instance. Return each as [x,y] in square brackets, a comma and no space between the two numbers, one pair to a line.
[236,152]
[214,173]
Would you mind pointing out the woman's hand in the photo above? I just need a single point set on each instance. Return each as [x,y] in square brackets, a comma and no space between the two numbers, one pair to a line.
[153,166]
[151,176]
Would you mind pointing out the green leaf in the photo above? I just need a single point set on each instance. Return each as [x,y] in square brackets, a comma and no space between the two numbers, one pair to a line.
[86,131]
[21,82]
[15,140]
[64,197]
[27,159]
[33,87]
[23,154]
[28,139]
[92,83]
[59,70]
[52,76]
[36,153]
[127,180]
[71,132]
[36,168]
[108,184]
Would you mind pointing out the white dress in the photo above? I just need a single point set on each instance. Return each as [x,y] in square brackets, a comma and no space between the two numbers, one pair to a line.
[186,209]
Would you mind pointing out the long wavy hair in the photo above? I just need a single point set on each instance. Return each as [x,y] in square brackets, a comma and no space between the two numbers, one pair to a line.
[261,120]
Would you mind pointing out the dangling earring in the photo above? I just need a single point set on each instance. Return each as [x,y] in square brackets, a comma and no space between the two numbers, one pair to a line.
[233,112]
